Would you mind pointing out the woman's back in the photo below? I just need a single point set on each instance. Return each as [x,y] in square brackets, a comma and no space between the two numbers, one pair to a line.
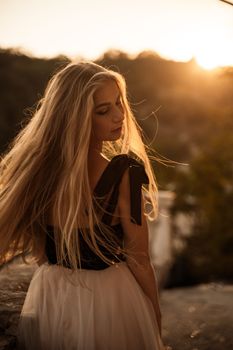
[107,190]
[96,170]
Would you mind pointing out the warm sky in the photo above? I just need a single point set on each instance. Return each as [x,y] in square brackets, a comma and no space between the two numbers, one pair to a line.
[175,29]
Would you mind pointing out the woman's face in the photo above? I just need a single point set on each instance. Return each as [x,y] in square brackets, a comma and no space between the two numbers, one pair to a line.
[108,113]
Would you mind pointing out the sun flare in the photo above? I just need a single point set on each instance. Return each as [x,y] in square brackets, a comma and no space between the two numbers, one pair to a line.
[213,47]
[208,62]
[214,57]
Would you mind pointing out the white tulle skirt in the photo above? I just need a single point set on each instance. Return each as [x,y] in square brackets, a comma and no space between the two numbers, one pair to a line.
[113,313]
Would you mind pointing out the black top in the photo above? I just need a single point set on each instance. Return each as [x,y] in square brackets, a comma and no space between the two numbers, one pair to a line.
[108,183]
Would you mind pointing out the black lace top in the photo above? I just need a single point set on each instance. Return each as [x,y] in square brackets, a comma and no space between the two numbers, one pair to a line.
[108,183]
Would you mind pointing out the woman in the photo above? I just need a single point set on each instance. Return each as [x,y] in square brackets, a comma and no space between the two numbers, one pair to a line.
[71,197]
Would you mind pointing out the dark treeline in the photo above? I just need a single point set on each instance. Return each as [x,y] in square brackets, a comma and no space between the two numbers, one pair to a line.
[186,115]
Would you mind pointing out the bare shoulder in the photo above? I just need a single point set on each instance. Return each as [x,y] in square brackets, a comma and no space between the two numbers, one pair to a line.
[96,168]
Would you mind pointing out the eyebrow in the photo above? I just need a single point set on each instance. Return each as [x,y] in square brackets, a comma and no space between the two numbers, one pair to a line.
[106,103]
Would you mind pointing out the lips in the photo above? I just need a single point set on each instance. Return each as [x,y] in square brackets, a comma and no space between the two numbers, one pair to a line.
[118,129]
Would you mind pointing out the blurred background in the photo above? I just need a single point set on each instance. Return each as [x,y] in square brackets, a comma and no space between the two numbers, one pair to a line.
[177,59]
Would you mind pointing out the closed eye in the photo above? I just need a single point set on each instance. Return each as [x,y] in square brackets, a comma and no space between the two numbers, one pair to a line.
[106,110]
[102,112]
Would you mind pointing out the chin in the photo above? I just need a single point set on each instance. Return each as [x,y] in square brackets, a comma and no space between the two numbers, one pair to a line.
[115,138]
[116,135]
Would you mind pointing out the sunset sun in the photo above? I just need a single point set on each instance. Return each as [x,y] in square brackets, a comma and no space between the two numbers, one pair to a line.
[213,48]
[214,53]
[208,61]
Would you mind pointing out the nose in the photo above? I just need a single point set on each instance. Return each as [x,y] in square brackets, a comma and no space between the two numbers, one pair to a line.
[118,115]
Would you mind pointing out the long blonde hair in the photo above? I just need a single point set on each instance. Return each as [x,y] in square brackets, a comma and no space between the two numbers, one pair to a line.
[46,168]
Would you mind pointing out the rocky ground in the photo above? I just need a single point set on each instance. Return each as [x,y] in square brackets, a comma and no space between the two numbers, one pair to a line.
[198,318]
[194,318]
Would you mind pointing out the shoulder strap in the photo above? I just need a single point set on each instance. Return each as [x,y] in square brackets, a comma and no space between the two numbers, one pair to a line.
[110,175]
[138,177]
[111,180]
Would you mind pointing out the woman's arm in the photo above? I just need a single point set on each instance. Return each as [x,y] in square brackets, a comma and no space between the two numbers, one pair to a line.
[136,240]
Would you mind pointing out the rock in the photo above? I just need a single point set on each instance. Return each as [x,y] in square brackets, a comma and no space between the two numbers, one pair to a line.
[198,317]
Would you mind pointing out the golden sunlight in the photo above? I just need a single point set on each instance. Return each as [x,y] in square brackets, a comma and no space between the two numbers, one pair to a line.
[208,61]
[174,29]
[215,55]
[214,48]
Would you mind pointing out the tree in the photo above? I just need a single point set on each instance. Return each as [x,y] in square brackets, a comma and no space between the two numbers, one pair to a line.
[208,251]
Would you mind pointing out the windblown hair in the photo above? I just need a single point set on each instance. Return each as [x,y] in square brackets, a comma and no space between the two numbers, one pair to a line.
[45,168]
